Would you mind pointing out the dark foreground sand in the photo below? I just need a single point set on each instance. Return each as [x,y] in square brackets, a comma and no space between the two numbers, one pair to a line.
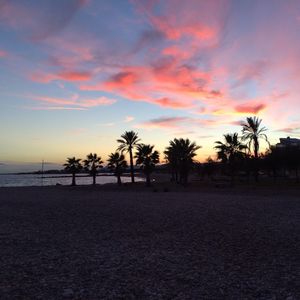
[85,243]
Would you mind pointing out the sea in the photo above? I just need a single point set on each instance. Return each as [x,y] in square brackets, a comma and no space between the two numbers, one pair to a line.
[7,180]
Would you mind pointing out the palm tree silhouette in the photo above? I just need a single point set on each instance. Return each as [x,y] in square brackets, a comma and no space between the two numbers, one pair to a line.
[118,164]
[252,132]
[129,140]
[171,158]
[230,151]
[92,164]
[147,158]
[180,154]
[73,166]
[231,148]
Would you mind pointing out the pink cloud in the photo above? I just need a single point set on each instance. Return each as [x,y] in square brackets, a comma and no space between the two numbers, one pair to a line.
[53,108]
[176,20]
[62,75]
[167,102]
[75,101]
[292,128]
[177,51]
[250,108]
[128,119]
[176,123]
[182,55]
[163,122]
[122,79]
[253,71]
[70,51]
[289,130]
[196,30]
[102,101]
[169,76]
[3,53]
[178,85]
[74,75]
[237,123]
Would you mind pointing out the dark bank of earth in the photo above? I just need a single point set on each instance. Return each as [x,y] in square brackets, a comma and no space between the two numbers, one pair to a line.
[75,243]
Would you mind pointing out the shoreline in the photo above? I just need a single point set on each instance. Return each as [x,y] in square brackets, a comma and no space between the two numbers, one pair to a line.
[165,187]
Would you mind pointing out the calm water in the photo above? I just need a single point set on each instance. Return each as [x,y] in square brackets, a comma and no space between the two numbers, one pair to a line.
[37,180]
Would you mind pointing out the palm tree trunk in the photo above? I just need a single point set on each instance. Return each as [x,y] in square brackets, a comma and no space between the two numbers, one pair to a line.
[131,166]
[274,171]
[148,182]
[185,179]
[119,180]
[256,159]
[172,175]
[73,179]
[94,179]
[232,171]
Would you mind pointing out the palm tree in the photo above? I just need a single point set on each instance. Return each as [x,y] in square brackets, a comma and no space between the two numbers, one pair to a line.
[180,154]
[92,164]
[117,163]
[274,160]
[252,132]
[147,158]
[129,140]
[171,158]
[73,166]
[230,151]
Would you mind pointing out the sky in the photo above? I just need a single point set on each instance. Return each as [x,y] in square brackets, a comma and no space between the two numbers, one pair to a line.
[76,74]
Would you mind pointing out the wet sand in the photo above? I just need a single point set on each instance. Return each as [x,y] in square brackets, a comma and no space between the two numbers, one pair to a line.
[127,243]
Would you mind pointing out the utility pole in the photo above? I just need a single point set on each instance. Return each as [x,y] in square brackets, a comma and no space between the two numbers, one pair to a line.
[42,172]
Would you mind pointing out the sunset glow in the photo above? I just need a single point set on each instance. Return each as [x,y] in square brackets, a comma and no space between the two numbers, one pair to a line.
[75,74]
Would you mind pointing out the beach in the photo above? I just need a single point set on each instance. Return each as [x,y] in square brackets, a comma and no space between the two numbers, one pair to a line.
[136,243]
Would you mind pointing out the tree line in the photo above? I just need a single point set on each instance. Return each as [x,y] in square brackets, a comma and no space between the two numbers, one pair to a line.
[179,155]
[235,153]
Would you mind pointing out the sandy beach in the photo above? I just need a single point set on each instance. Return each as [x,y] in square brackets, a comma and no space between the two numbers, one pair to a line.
[122,243]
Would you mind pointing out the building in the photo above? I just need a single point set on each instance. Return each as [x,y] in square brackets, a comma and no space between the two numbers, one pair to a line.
[288,142]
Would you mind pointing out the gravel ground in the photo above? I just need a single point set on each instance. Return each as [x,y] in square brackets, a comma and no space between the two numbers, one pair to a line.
[90,243]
